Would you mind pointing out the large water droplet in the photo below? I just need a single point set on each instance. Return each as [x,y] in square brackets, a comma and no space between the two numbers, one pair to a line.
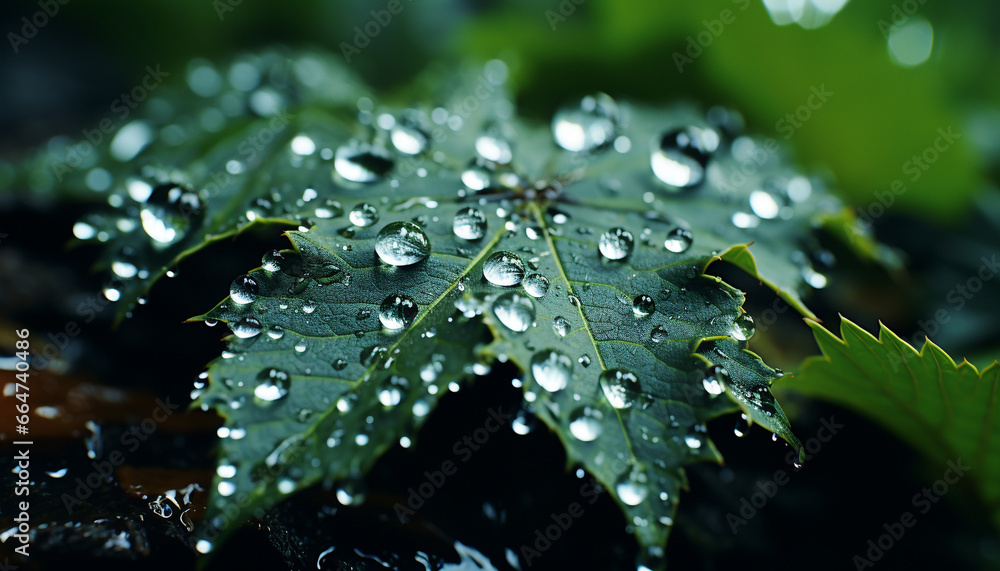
[516,312]
[590,126]
[504,269]
[247,327]
[536,285]
[678,240]
[621,387]
[616,243]
[402,244]
[361,162]
[169,212]
[551,370]
[410,134]
[244,290]
[643,305]
[363,215]
[397,311]
[680,157]
[585,423]
[469,224]
[272,385]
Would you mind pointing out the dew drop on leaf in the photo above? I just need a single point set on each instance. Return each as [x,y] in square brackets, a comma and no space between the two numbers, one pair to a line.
[494,143]
[585,423]
[536,285]
[272,385]
[643,305]
[397,311]
[244,290]
[633,487]
[410,134]
[551,370]
[616,243]
[363,215]
[620,387]
[586,127]
[678,240]
[478,175]
[247,327]
[743,327]
[516,312]
[402,244]
[504,269]
[561,326]
[716,379]
[169,211]
[276,332]
[361,162]
[469,224]
[681,155]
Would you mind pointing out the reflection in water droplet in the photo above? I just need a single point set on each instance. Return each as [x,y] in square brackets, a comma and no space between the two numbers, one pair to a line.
[678,240]
[764,204]
[494,143]
[589,126]
[620,387]
[658,334]
[680,157]
[478,175]
[551,370]
[616,243]
[411,133]
[643,305]
[561,326]
[536,285]
[363,215]
[504,269]
[715,381]
[402,244]
[585,423]
[247,327]
[169,212]
[272,385]
[633,487]
[516,312]
[243,290]
[361,162]
[744,328]
[469,224]
[397,311]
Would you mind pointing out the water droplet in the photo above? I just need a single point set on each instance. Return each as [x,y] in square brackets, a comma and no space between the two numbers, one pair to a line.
[276,332]
[585,423]
[590,126]
[402,244]
[561,326]
[271,261]
[536,285]
[410,134]
[716,379]
[363,215]
[397,311]
[681,155]
[504,269]
[516,312]
[764,204]
[339,364]
[616,243]
[551,370]
[361,162]
[272,385]
[643,305]
[658,334]
[633,487]
[678,240]
[244,290]
[743,327]
[494,143]
[247,327]
[584,360]
[301,346]
[742,426]
[620,387]
[478,175]
[469,224]
[392,390]
[169,212]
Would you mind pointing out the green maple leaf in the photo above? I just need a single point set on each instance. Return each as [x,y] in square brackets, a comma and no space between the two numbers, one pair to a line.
[945,410]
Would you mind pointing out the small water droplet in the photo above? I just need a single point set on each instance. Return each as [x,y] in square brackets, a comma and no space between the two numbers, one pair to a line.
[536,285]
[643,305]
[516,312]
[678,240]
[410,134]
[658,334]
[478,175]
[494,143]
[589,126]
[616,243]
[633,487]
[276,332]
[681,156]
[551,370]
[743,327]
[585,423]
[504,269]
[715,380]
[272,385]
[397,311]
[402,244]
[363,215]
[469,224]
[620,387]
[169,212]
[561,326]
[584,360]
[360,162]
